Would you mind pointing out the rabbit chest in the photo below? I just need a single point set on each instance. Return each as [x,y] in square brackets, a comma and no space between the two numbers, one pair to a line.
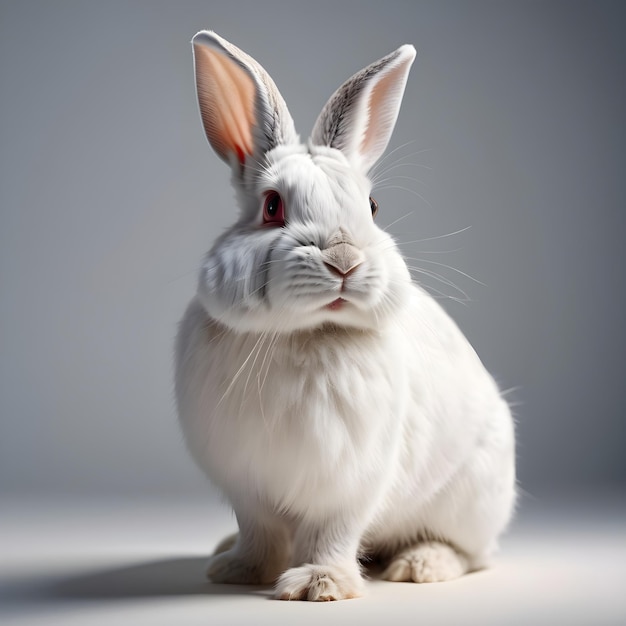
[288,419]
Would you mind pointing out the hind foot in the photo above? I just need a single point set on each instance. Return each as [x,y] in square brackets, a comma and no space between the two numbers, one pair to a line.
[226,544]
[427,562]
[229,563]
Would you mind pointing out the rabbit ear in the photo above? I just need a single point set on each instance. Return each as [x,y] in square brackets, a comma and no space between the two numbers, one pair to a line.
[242,111]
[360,116]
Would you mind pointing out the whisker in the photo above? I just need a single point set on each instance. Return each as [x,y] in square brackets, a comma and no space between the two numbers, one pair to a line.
[264,335]
[450,267]
[387,156]
[456,232]
[434,252]
[399,219]
[239,371]
[386,174]
[440,278]
[445,296]
[382,182]
[385,163]
[270,350]
[408,190]
[183,275]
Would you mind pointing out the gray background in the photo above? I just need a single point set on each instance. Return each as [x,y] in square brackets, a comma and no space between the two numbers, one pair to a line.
[110,195]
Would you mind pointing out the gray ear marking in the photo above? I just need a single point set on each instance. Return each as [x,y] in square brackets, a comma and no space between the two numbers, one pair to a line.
[332,119]
[360,116]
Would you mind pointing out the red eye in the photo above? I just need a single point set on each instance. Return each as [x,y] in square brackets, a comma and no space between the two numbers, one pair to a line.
[273,210]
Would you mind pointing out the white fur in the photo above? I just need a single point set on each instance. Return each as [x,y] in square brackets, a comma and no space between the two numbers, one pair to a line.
[368,428]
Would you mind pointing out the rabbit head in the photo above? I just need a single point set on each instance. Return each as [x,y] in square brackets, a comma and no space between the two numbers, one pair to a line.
[305,250]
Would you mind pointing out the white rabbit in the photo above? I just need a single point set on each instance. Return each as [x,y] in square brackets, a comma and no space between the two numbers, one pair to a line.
[332,401]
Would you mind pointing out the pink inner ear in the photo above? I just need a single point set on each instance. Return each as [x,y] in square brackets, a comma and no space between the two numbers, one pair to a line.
[226,96]
[384,102]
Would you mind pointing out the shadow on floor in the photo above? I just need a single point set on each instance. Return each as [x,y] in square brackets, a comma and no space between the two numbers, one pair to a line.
[161,578]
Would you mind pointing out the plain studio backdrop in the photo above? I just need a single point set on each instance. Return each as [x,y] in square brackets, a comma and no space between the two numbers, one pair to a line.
[505,183]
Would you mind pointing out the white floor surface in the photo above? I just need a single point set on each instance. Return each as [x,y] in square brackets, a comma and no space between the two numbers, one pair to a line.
[87,563]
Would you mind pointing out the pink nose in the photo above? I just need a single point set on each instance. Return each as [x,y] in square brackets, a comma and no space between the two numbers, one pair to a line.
[342,259]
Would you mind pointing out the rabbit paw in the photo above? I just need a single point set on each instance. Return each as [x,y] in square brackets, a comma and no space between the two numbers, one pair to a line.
[428,562]
[229,567]
[319,583]
[226,544]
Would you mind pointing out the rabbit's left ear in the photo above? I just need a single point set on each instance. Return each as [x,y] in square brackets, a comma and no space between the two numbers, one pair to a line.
[242,110]
[360,116]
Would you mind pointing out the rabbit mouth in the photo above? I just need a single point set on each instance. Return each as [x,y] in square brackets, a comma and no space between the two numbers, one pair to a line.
[336,304]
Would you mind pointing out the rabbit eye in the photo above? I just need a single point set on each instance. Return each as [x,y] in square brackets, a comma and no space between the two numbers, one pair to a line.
[273,210]
[373,206]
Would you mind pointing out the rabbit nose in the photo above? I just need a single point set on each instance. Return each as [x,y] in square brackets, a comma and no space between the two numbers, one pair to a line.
[342,258]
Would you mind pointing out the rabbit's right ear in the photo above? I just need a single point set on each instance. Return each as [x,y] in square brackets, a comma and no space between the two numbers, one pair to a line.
[242,111]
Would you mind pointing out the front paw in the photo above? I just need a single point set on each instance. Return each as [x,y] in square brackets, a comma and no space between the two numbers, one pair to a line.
[232,568]
[319,583]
